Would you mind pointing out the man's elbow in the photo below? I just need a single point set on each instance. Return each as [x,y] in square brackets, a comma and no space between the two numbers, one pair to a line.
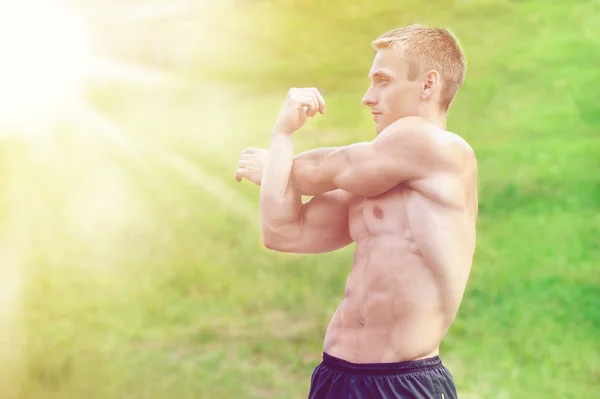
[269,240]
[281,239]
[277,243]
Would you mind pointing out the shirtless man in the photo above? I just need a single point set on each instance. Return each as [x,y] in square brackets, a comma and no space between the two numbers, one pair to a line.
[408,199]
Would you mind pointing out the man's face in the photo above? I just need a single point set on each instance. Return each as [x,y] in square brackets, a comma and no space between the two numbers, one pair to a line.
[391,95]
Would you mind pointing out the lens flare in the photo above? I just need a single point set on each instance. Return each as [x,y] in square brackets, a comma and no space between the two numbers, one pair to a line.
[45,56]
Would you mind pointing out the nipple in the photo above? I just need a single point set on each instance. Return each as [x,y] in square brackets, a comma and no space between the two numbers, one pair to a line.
[378,212]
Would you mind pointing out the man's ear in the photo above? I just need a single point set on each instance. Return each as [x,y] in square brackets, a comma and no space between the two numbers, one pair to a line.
[431,84]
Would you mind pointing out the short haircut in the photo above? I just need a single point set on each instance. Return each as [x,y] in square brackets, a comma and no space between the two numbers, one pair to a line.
[426,48]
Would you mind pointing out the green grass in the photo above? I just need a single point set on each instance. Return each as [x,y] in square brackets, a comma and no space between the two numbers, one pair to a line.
[140,268]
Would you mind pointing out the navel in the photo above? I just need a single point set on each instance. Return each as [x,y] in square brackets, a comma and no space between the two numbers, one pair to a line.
[378,212]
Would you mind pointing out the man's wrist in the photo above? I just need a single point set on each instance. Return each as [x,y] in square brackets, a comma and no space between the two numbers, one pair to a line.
[280,132]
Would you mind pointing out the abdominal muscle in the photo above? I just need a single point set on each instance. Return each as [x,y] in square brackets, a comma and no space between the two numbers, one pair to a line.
[392,308]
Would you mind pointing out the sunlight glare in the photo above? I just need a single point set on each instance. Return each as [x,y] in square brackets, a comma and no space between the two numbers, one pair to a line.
[45,56]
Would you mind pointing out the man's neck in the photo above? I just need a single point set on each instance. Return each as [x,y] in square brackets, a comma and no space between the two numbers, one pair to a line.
[436,118]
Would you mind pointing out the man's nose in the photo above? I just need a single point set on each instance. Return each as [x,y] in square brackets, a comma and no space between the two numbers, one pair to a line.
[368,99]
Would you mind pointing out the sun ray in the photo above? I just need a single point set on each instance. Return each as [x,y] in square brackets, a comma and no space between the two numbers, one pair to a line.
[14,251]
[228,197]
[105,69]
[161,10]
[45,55]
[96,125]
[74,192]
[175,161]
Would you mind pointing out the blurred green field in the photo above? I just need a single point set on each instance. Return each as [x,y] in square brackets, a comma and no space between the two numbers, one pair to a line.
[131,261]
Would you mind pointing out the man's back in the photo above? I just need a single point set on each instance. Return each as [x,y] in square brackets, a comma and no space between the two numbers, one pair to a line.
[414,248]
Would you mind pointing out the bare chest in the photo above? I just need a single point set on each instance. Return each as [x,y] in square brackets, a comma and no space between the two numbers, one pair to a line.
[384,214]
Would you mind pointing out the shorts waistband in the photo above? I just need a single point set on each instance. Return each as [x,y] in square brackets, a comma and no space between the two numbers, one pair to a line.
[397,368]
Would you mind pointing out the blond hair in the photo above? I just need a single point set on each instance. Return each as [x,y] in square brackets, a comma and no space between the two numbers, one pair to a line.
[429,48]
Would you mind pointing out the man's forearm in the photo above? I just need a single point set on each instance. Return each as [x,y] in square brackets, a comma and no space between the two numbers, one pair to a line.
[280,201]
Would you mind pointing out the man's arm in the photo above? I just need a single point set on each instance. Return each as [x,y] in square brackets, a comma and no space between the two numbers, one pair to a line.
[321,226]
[409,149]
[288,225]
[306,160]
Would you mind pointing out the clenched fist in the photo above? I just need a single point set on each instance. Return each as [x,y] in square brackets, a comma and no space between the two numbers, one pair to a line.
[251,165]
[299,105]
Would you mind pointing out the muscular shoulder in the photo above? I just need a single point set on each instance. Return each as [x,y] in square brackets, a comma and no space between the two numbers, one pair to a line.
[432,146]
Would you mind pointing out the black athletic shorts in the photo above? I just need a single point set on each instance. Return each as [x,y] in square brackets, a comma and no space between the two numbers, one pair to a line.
[336,378]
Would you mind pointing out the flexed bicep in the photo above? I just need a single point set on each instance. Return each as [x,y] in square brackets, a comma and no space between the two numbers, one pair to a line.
[323,226]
